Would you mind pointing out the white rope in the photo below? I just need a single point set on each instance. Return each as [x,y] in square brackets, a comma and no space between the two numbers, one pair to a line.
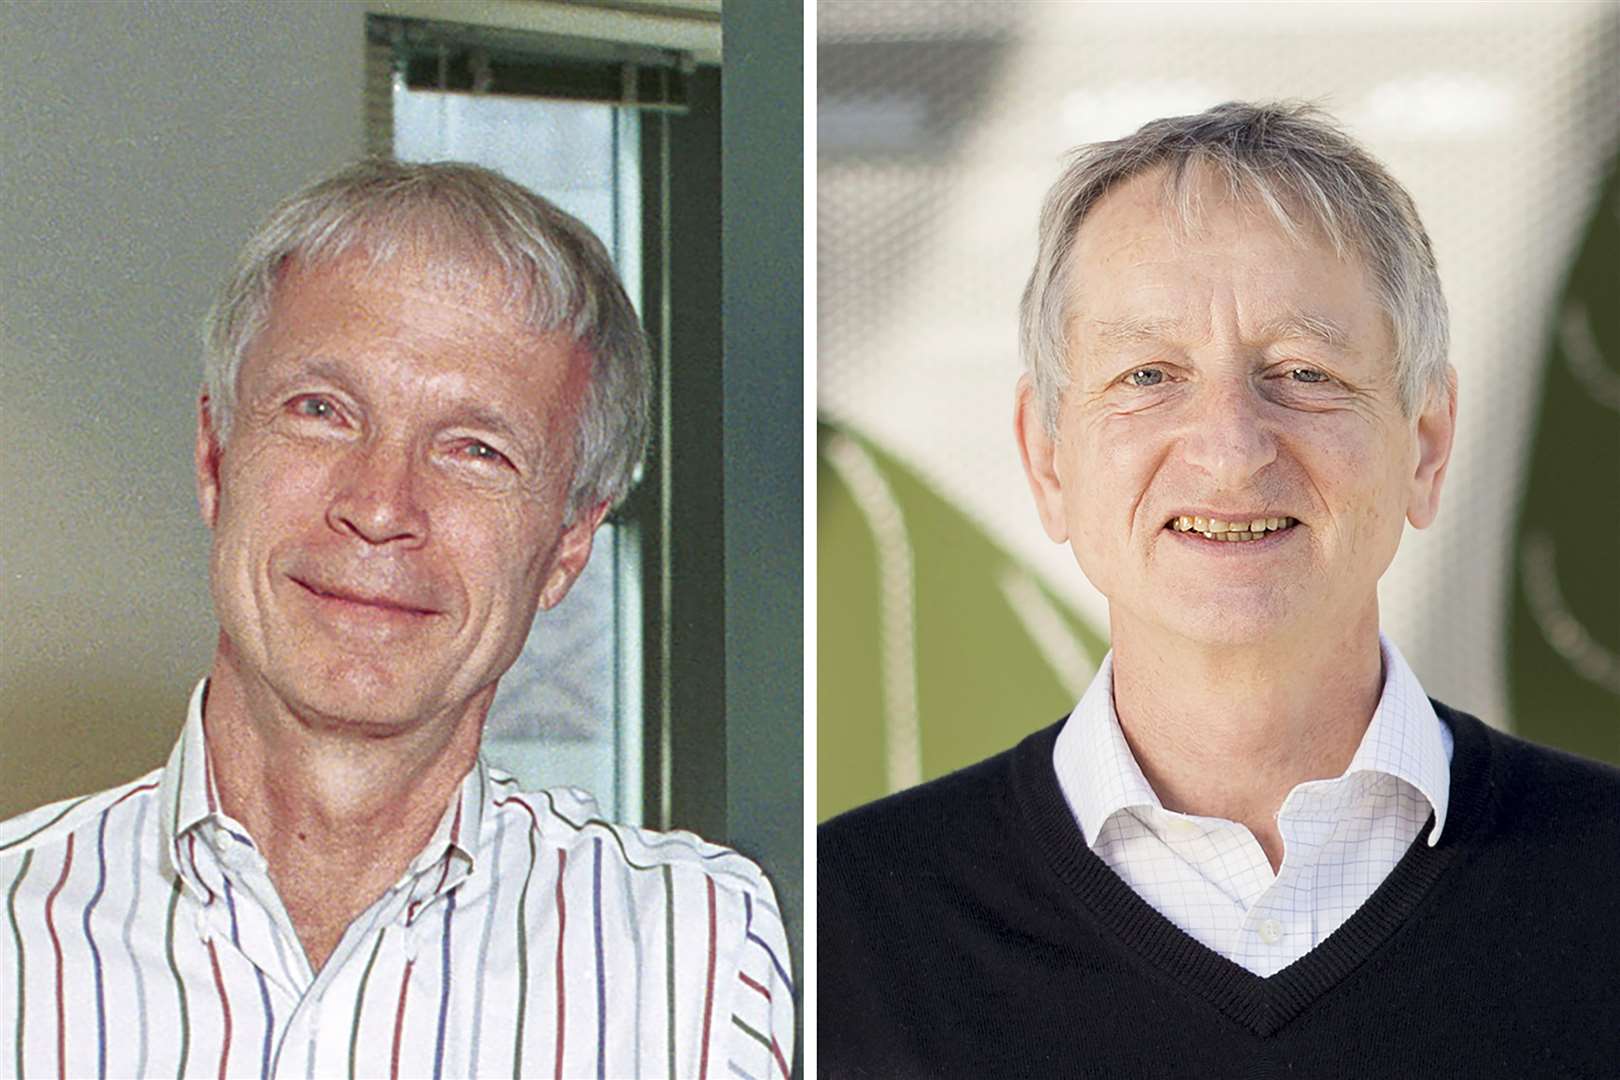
[896,607]
[1558,624]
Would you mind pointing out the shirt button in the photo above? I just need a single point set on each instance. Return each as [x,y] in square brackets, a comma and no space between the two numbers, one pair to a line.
[1271,931]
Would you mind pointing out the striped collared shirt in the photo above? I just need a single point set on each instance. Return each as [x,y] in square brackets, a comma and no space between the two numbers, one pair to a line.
[141,936]
[1210,876]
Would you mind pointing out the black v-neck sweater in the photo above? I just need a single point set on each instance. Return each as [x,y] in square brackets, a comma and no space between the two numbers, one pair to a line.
[965,929]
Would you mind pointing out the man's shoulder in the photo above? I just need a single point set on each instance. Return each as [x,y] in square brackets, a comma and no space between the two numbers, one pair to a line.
[1521,753]
[673,878]
[46,828]
[971,806]
[1541,788]
[568,819]
[894,819]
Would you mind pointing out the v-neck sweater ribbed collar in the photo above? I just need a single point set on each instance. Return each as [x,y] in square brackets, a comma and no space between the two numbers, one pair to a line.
[1262,1005]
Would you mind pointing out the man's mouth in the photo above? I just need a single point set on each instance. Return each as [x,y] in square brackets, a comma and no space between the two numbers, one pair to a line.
[351,596]
[1236,531]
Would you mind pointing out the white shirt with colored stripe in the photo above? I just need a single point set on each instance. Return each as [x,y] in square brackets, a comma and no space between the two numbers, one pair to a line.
[1210,877]
[140,936]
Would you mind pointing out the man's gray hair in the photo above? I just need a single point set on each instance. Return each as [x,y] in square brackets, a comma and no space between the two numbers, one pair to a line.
[466,216]
[1287,157]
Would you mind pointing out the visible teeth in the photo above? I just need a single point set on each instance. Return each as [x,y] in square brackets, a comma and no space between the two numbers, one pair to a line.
[1216,529]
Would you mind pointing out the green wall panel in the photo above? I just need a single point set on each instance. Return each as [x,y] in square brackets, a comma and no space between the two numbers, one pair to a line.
[982,680]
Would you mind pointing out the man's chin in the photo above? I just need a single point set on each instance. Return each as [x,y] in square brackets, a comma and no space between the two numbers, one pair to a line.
[359,701]
[1234,619]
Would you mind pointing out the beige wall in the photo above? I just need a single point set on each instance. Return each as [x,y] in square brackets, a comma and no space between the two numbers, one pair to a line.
[140,144]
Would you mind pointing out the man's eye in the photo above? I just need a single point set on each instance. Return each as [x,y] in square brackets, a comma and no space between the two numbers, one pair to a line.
[482,451]
[1307,375]
[1145,377]
[316,407]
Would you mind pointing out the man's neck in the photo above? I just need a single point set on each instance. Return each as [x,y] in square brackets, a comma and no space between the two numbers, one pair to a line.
[338,816]
[1229,732]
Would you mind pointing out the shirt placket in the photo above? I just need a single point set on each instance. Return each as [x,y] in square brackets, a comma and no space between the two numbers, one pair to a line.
[300,1047]
[254,919]
[249,918]
[1223,870]
[1281,926]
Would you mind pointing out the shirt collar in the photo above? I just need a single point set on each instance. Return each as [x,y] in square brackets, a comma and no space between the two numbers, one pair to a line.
[190,798]
[1100,777]
[1095,767]
[1406,739]
[186,792]
[455,840]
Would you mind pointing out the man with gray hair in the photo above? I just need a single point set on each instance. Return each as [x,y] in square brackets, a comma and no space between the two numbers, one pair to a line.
[1255,847]
[425,387]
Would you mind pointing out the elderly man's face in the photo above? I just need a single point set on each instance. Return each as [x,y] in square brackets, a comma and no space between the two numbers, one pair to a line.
[388,509]
[1236,374]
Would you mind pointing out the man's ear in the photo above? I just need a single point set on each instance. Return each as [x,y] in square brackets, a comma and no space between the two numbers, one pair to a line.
[573,552]
[206,457]
[1436,428]
[1039,453]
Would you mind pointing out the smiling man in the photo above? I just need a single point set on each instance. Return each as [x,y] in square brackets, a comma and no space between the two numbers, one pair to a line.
[424,390]
[1255,847]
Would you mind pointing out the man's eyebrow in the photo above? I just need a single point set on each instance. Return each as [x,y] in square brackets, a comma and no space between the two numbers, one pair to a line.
[1304,324]
[1294,325]
[303,367]
[487,419]
[518,437]
[1133,330]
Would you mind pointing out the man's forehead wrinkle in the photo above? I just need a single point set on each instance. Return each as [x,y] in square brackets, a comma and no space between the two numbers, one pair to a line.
[479,296]
[427,236]
[1189,311]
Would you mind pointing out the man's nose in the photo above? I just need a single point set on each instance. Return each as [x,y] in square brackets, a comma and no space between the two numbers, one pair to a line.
[1228,435]
[377,497]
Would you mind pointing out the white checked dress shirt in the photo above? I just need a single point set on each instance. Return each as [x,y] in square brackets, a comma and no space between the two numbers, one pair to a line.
[1211,878]
[141,936]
